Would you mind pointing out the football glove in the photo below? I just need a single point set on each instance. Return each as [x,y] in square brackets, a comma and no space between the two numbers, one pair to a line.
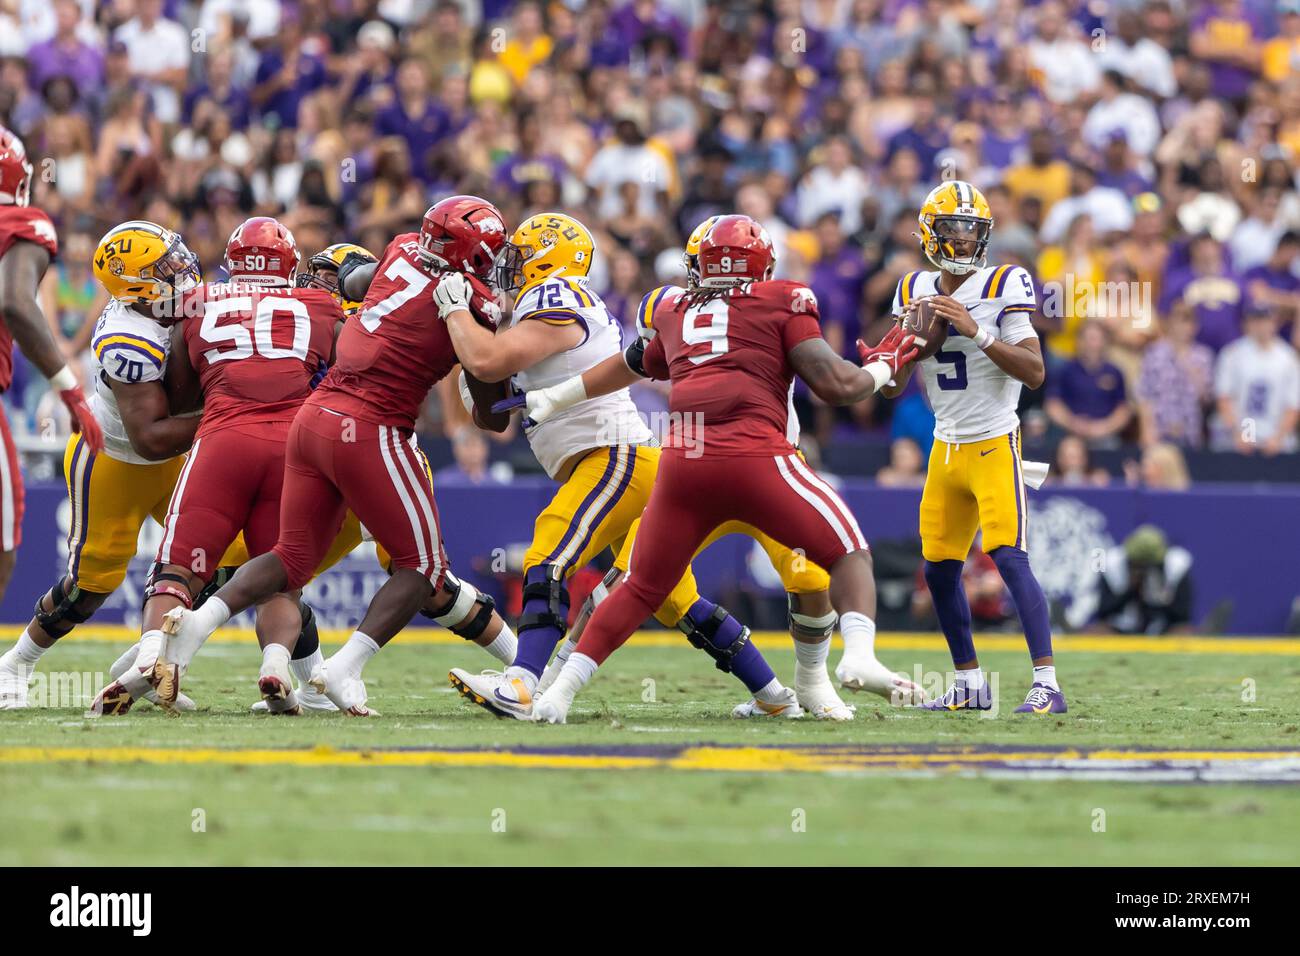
[895,350]
[545,403]
[452,294]
[83,419]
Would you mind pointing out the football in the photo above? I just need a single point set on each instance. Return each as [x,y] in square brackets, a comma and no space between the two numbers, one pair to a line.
[930,329]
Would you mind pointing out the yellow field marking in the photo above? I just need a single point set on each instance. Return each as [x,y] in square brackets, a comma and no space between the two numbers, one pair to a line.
[777,640]
[734,759]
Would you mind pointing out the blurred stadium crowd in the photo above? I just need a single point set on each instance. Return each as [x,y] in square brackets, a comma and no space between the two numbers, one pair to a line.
[1140,157]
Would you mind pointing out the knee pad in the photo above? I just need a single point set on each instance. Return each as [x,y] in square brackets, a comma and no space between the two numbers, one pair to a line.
[69,608]
[703,634]
[546,600]
[218,581]
[808,625]
[169,583]
[309,637]
[459,616]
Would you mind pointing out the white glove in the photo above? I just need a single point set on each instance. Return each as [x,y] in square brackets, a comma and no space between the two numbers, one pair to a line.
[466,398]
[452,294]
[544,403]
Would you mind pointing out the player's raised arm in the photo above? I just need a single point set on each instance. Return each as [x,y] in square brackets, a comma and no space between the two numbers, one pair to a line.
[838,381]
[356,272]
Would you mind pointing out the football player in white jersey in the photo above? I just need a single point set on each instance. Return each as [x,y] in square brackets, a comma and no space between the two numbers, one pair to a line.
[975,480]
[600,451]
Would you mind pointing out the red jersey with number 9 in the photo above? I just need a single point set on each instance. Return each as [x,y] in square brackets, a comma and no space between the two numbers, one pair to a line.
[396,347]
[727,358]
[256,348]
[21,224]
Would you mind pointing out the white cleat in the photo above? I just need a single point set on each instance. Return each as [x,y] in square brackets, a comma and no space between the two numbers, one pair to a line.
[133,681]
[346,692]
[822,702]
[14,678]
[786,706]
[864,672]
[495,692]
[276,686]
[549,709]
[308,699]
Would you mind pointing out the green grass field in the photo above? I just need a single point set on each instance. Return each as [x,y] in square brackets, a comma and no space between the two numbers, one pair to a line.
[323,789]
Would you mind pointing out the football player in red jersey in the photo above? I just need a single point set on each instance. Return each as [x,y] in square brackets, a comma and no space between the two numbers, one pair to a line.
[27,244]
[352,445]
[731,350]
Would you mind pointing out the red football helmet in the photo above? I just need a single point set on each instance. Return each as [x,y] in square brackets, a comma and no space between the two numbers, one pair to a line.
[15,170]
[262,251]
[735,251]
[463,234]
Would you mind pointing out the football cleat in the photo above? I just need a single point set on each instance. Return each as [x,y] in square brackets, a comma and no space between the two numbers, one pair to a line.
[14,678]
[346,692]
[276,686]
[787,706]
[308,699]
[134,681]
[865,672]
[182,703]
[551,709]
[495,692]
[958,697]
[1042,700]
[820,700]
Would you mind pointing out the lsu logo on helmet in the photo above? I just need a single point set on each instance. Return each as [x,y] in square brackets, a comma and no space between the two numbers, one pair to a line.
[548,244]
[956,223]
[140,261]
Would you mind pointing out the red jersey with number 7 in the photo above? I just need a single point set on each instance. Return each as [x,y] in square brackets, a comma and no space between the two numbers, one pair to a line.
[396,347]
[255,349]
[727,358]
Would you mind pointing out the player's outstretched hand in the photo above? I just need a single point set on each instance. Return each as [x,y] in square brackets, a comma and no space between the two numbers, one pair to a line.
[452,294]
[544,403]
[896,350]
[83,419]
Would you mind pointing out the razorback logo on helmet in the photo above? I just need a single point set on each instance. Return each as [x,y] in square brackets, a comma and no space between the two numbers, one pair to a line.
[15,170]
[490,225]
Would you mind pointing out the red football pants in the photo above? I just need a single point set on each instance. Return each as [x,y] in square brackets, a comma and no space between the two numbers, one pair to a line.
[11,490]
[336,462]
[230,483]
[781,496]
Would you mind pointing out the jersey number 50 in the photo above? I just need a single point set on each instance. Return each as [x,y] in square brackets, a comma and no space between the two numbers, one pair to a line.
[260,341]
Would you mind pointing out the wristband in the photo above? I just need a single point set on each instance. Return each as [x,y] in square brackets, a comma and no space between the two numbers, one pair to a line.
[63,379]
[880,373]
[983,339]
[568,393]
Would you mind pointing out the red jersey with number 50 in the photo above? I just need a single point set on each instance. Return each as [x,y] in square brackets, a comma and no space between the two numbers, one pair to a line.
[21,224]
[727,358]
[255,349]
[396,347]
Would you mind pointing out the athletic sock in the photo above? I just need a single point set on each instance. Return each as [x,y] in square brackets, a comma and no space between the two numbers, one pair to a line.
[26,651]
[504,645]
[972,679]
[748,664]
[212,615]
[524,674]
[575,674]
[275,655]
[1046,674]
[859,633]
[944,581]
[353,655]
[771,692]
[810,662]
[120,665]
[1028,597]
[303,667]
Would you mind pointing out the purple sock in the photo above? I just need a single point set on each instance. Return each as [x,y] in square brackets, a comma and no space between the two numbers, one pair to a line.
[944,581]
[748,665]
[543,621]
[1027,594]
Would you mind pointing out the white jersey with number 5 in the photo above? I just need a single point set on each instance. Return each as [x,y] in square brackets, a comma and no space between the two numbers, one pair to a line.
[604,421]
[972,398]
[129,348]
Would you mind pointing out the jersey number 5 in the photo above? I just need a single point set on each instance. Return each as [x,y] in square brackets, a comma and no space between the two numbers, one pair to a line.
[260,340]
[711,331]
[955,382]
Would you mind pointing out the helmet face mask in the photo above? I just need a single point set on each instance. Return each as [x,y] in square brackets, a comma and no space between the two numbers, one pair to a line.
[962,242]
[140,263]
[691,255]
[545,245]
[261,251]
[508,272]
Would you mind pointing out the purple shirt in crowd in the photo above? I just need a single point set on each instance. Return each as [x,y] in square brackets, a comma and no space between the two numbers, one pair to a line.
[80,62]
[1090,392]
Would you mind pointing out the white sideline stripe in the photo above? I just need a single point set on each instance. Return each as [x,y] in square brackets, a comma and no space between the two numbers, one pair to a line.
[836,501]
[174,507]
[817,503]
[6,494]
[423,495]
[407,504]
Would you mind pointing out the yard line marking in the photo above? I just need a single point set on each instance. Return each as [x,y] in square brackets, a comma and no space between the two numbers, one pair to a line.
[776,640]
[1168,766]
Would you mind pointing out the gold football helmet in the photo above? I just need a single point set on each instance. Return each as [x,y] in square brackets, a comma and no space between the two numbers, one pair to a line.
[323,272]
[141,261]
[955,226]
[692,255]
[545,245]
